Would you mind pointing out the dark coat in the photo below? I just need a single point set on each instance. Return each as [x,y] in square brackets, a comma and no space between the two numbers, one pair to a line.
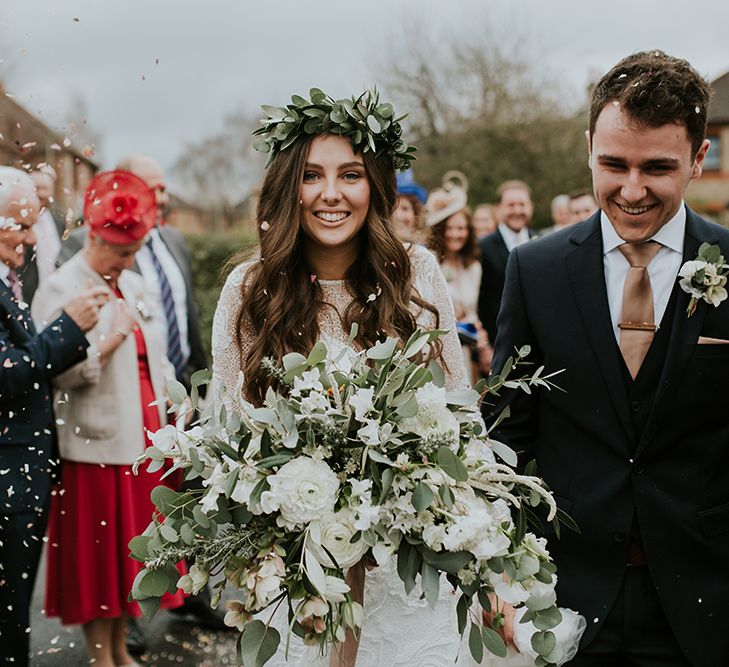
[671,474]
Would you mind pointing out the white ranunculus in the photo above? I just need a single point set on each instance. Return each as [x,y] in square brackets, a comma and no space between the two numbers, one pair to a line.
[334,533]
[433,417]
[361,402]
[302,490]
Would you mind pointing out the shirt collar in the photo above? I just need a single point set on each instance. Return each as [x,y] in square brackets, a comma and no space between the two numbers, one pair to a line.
[670,235]
[512,238]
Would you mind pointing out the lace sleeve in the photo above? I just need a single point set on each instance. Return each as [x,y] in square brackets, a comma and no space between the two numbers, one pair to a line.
[431,285]
[228,355]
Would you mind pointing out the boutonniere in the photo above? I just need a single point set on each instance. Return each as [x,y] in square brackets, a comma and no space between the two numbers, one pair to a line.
[705,277]
[142,310]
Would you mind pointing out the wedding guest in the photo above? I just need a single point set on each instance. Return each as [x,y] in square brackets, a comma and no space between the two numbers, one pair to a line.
[106,409]
[561,215]
[484,220]
[408,215]
[40,260]
[582,205]
[29,359]
[328,259]
[514,211]
[635,444]
[453,242]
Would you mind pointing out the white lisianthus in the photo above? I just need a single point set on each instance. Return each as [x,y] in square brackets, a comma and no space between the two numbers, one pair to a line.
[248,478]
[364,512]
[191,438]
[215,484]
[312,615]
[302,490]
[361,402]
[194,581]
[537,545]
[370,433]
[334,534]
[433,417]
[314,403]
[236,616]
[165,438]
[536,594]
[307,381]
[263,583]
[385,549]
[340,357]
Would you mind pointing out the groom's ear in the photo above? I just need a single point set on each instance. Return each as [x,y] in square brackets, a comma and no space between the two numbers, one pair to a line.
[589,148]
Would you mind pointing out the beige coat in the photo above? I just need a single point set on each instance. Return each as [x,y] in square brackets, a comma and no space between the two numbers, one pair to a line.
[99,409]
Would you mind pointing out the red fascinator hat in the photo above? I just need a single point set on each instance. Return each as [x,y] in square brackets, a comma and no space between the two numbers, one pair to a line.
[120,207]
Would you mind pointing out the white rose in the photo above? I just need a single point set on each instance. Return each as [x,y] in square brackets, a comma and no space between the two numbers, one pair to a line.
[303,490]
[334,534]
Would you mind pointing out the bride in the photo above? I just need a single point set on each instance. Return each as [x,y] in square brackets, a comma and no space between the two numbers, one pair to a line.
[328,259]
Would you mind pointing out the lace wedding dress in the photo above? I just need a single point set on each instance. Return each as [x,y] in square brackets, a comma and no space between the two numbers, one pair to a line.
[398,630]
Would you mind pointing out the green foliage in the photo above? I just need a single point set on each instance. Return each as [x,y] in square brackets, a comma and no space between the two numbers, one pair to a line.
[210,254]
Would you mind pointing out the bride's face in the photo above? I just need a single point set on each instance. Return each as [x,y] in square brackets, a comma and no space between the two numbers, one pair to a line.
[335,193]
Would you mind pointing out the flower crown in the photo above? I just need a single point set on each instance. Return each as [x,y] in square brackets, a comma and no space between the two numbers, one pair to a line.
[370,125]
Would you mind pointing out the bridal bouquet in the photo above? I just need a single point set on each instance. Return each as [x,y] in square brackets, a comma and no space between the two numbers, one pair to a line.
[356,455]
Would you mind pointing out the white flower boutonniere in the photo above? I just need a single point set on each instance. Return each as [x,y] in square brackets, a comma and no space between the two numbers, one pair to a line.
[143,311]
[705,277]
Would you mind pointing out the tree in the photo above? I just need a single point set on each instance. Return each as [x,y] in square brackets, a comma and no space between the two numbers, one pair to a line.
[480,104]
[219,171]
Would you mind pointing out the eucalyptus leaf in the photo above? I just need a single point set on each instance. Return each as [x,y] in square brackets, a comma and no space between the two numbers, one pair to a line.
[451,464]
[430,578]
[139,548]
[493,642]
[544,642]
[175,391]
[258,643]
[475,642]
[169,533]
[462,613]
[448,561]
[422,497]
[153,583]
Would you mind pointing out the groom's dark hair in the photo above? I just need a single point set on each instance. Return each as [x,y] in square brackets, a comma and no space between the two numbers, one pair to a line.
[655,89]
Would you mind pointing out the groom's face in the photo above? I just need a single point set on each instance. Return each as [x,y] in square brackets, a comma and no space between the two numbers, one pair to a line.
[640,173]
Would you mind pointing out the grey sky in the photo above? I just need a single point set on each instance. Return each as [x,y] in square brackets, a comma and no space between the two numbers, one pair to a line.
[221,56]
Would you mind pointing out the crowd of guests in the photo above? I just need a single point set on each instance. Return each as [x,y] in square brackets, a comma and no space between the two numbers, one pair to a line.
[473,245]
[92,321]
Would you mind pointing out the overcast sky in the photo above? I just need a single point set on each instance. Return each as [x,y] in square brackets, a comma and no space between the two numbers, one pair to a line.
[155,74]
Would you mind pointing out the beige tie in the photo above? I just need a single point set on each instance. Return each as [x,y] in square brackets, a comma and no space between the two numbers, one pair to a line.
[637,325]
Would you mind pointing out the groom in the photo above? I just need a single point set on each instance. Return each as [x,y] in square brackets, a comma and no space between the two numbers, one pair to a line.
[636,447]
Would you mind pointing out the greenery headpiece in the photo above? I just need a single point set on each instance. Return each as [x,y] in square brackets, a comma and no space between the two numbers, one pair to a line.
[370,125]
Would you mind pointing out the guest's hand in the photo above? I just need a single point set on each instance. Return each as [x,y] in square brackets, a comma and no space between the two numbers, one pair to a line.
[122,321]
[84,309]
[502,609]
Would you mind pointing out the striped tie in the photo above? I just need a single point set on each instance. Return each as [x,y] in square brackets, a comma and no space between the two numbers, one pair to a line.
[174,350]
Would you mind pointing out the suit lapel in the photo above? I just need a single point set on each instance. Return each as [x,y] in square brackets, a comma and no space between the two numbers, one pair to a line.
[587,277]
[17,317]
[684,332]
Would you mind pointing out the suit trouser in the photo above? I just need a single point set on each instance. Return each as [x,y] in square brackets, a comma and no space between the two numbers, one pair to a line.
[636,632]
[21,542]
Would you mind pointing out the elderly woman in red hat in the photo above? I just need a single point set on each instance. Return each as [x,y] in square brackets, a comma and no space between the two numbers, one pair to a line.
[104,411]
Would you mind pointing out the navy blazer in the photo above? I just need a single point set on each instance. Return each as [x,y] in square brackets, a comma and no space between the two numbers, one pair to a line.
[672,474]
[28,361]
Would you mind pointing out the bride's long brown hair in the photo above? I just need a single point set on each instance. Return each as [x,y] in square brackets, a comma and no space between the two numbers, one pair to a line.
[278,293]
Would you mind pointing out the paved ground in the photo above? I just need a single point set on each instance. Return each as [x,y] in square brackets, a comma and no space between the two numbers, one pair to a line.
[172,641]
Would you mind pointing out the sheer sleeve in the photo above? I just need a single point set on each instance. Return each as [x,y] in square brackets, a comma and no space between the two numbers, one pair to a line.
[430,283]
[228,355]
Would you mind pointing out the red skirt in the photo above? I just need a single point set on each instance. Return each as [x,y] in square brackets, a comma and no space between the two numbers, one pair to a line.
[94,513]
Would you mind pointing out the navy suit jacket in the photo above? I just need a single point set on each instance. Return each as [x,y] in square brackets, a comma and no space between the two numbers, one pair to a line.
[673,475]
[28,361]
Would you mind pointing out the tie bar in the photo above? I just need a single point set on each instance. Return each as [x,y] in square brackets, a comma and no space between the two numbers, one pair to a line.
[637,326]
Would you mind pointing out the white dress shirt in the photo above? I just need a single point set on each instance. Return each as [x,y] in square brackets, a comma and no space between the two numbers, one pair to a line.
[48,245]
[663,269]
[512,238]
[177,285]
[4,272]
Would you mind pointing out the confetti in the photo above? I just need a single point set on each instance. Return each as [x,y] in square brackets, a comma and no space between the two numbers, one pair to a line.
[265,226]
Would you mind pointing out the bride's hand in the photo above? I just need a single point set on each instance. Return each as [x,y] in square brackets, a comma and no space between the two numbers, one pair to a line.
[345,655]
[499,607]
